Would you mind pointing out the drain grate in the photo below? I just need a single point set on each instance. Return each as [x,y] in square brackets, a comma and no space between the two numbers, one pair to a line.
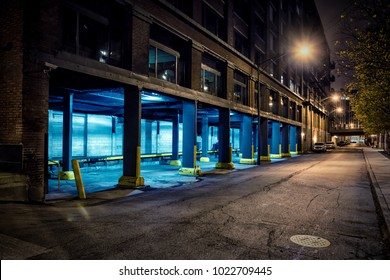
[310,241]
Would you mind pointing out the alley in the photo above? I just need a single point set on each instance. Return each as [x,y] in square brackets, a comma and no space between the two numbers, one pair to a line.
[245,214]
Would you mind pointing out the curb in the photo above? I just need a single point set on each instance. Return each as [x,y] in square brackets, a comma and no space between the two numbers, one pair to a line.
[379,200]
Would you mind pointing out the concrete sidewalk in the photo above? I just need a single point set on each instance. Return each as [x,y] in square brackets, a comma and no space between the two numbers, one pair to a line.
[378,166]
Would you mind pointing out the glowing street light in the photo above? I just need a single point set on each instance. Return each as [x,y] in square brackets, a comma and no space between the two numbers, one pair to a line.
[304,51]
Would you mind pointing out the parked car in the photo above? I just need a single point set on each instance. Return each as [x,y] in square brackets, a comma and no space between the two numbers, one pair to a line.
[330,145]
[319,147]
[342,143]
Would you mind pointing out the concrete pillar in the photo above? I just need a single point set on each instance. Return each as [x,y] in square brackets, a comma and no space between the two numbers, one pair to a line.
[67,136]
[246,146]
[293,140]
[285,130]
[299,139]
[205,140]
[276,149]
[148,136]
[224,148]
[175,141]
[189,140]
[131,139]
[264,147]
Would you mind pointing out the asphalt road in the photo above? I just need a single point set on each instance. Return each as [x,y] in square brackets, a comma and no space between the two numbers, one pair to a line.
[246,214]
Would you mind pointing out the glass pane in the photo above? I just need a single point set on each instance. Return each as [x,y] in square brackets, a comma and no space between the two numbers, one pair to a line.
[93,39]
[210,84]
[152,61]
[166,66]
[237,93]
[69,30]
[115,47]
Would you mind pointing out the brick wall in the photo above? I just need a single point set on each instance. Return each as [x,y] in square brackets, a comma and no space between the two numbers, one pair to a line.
[11,72]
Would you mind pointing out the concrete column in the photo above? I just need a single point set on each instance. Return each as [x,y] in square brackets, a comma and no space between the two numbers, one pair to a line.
[286,140]
[293,140]
[264,147]
[132,139]
[275,140]
[246,146]
[224,148]
[175,141]
[255,138]
[196,70]
[148,136]
[299,139]
[205,140]
[67,137]
[189,140]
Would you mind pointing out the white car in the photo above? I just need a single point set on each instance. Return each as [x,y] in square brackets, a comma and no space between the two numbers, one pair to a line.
[330,145]
[319,147]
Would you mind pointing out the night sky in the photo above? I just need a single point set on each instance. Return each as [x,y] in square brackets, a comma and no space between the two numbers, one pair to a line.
[330,11]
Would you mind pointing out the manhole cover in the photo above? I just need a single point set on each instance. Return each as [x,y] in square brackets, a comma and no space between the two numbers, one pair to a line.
[310,241]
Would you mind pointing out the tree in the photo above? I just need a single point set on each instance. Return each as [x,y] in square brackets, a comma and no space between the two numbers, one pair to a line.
[365,57]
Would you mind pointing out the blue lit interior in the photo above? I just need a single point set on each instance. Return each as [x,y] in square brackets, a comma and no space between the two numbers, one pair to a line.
[97,124]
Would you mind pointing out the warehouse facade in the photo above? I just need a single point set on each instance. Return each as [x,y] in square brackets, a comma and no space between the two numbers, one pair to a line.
[177,80]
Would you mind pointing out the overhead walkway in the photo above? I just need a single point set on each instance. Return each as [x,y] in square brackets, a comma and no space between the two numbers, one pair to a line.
[346,131]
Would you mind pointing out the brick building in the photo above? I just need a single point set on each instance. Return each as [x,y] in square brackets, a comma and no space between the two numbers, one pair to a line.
[91,79]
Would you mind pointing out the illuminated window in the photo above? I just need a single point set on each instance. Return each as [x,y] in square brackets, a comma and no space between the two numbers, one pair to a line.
[211,75]
[211,81]
[163,63]
[292,85]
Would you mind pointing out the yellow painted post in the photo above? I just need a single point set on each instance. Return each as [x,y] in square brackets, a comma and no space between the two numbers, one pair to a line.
[58,174]
[230,154]
[138,163]
[195,156]
[78,178]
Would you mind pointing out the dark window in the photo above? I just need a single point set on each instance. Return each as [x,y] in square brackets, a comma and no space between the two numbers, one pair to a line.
[97,36]
[293,109]
[213,22]
[285,106]
[262,3]
[259,57]
[241,43]
[273,43]
[284,79]
[242,9]
[273,15]
[240,94]
[260,28]
[184,6]
[299,113]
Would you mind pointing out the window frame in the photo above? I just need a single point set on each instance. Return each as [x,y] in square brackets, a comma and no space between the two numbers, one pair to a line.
[218,80]
[167,50]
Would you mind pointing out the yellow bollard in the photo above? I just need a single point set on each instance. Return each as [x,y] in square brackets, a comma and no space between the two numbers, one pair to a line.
[195,156]
[78,178]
